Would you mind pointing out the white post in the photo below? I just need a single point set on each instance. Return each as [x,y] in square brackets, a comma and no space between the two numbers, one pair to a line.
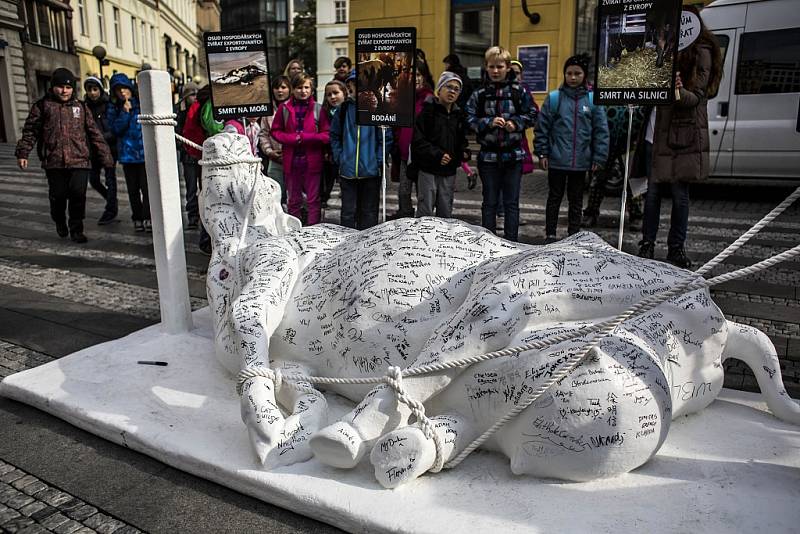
[625,179]
[383,179]
[161,162]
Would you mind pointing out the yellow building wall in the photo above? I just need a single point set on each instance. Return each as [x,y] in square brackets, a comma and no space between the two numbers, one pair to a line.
[432,20]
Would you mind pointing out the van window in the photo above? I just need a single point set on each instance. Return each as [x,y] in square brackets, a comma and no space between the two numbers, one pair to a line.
[769,62]
[723,41]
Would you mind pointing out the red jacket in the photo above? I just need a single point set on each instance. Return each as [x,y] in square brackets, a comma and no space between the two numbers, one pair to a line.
[314,136]
[193,130]
[68,133]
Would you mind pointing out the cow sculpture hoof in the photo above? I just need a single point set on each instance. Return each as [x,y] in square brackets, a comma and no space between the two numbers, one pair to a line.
[402,456]
[339,445]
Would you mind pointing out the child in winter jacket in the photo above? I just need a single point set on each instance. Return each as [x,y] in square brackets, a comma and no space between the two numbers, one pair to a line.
[500,111]
[302,129]
[335,93]
[97,102]
[271,150]
[123,118]
[571,138]
[358,152]
[65,134]
[438,148]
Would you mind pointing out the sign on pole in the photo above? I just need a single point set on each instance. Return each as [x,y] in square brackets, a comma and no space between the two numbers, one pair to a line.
[637,46]
[238,72]
[385,76]
[536,60]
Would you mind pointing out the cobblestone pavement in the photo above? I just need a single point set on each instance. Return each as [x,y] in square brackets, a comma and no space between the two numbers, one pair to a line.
[30,506]
[114,275]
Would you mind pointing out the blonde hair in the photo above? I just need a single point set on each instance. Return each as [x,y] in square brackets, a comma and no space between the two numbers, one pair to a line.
[497,52]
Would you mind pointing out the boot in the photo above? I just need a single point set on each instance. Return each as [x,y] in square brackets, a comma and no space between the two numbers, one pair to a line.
[78,237]
[647,249]
[589,220]
[62,229]
[677,256]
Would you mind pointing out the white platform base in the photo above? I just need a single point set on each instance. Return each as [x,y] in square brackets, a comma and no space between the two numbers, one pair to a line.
[732,468]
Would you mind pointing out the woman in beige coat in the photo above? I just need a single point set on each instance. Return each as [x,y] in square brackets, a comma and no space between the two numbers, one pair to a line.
[675,148]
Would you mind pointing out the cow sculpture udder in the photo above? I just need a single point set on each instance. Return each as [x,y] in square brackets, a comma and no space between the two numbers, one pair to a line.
[333,302]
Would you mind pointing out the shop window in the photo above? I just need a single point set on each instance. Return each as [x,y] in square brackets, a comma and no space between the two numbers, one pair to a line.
[473,29]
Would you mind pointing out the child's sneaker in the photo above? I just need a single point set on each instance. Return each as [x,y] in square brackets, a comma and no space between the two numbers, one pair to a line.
[138,226]
[62,229]
[647,249]
[106,218]
[677,256]
[550,239]
[148,226]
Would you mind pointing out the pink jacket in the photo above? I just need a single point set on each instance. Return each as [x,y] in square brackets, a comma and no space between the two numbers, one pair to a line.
[314,137]
[405,135]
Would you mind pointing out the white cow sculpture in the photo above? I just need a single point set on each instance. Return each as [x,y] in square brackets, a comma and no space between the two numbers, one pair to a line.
[333,302]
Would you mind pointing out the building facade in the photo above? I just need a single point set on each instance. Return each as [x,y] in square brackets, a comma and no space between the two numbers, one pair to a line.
[180,45]
[14,102]
[272,16]
[555,29]
[332,31]
[208,20]
[128,30]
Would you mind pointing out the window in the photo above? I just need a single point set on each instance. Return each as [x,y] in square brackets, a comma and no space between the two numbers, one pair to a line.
[117,29]
[340,51]
[134,35]
[586,27]
[769,62]
[82,21]
[154,42]
[46,25]
[473,27]
[101,20]
[340,11]
[144,39]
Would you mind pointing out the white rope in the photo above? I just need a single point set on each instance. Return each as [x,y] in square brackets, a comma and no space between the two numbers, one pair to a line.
[745,237]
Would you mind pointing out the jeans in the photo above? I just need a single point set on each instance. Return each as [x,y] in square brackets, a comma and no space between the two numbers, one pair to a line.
[67,193]
[679,219]
[136,180]
[191,175]
[360,198]
[108,190]
[557,181]
[505,176]
[435,192]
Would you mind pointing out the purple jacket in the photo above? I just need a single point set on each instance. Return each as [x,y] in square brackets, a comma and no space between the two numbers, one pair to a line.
[314,137]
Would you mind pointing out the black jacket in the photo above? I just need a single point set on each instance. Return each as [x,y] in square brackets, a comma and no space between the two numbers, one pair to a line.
[98,110]
[438,132]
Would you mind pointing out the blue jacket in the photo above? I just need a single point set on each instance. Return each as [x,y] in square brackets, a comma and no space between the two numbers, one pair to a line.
[349,140]
[125,125]
[574,136]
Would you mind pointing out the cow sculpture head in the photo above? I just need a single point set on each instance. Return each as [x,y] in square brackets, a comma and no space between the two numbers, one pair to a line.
[236,196]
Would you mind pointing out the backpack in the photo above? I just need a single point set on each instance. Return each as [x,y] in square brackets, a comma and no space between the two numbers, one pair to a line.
[553,97]
[317,110]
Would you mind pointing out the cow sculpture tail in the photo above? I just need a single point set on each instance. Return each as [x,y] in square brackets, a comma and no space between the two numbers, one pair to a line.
[754,348]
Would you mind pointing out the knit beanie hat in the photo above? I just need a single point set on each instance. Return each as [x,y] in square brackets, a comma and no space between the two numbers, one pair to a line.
[446,77]
[581,60]
[62,76]
[189,88]
[92,80]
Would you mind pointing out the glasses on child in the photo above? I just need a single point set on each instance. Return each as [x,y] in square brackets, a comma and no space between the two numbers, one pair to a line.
[453,88]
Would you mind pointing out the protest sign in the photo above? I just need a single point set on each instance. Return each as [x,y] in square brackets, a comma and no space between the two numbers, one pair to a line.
[690,29]
[385,76]
[637,45]
[238,73]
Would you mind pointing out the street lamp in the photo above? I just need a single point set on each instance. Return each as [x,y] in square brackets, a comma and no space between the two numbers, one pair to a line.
[100,53]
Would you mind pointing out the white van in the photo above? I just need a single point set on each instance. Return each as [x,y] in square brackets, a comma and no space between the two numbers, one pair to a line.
[754,121]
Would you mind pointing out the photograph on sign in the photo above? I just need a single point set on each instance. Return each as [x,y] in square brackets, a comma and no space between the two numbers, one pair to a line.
[637,44]
[239,74]
[535,61]
[385,76]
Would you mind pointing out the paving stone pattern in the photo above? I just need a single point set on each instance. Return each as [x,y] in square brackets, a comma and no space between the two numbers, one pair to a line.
[29,505]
